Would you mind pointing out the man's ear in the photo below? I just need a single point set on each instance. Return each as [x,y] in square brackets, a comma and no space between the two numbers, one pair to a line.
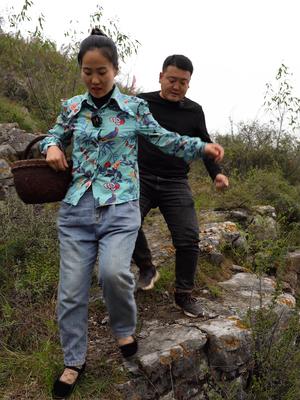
[160,76]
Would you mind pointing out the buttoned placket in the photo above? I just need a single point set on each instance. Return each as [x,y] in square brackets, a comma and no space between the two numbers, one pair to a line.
[96,111]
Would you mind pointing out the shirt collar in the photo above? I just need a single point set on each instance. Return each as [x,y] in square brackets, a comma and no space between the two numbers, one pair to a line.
[121,100]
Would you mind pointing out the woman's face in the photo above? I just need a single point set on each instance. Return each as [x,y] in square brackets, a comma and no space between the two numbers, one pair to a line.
[97,73]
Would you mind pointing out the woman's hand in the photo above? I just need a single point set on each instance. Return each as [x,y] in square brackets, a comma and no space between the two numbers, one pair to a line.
[215,151]
[56,158]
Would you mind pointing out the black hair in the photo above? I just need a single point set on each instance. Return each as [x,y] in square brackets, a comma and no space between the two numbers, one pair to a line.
[178,61]
[98,40]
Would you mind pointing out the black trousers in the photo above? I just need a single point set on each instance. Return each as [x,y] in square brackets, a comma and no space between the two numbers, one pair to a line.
[175,202]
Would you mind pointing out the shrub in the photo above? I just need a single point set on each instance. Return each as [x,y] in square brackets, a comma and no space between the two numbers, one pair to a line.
[259,187]
[256,146]
[277,356]
[45,74]
[28,243]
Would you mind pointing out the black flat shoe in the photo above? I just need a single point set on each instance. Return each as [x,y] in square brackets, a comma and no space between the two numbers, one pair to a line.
[62,390]
[129,350]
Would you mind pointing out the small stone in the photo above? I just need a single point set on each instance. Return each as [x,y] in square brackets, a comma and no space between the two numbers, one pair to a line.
[105,320]
[238,268]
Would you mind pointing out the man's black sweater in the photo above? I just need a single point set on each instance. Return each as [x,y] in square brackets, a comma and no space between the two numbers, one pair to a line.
[186,118]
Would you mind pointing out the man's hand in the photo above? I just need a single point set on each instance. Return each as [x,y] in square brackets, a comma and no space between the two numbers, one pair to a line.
[215,151]
[221,181]
[56,158]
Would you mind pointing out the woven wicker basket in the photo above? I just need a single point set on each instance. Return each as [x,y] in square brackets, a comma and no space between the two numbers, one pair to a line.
[36,182]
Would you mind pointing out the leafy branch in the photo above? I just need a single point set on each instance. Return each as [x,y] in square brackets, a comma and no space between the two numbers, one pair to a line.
[281,103]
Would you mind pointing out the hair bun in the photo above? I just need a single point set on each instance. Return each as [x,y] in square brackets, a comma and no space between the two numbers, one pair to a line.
[97,31]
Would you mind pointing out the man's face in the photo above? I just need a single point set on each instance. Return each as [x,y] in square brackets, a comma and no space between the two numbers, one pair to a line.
[174,83]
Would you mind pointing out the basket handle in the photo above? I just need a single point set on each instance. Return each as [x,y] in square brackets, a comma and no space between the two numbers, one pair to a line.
[29,146]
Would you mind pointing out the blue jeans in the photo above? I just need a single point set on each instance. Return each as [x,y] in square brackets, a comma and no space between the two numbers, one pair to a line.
[83,231]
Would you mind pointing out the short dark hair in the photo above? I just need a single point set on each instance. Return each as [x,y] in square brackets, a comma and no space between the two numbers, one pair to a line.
[98,40]
[179,61]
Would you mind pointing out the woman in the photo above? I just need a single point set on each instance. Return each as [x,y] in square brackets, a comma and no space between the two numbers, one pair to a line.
[101,211]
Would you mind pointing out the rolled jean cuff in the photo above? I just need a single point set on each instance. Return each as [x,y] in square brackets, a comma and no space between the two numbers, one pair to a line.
[74,363]
[120,335]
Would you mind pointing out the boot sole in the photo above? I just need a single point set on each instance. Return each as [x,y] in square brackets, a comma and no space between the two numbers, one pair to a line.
[151,284]
[186,312]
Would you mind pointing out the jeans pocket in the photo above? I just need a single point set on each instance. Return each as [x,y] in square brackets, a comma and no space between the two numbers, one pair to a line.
[134,203]
[64,209]
[129,213]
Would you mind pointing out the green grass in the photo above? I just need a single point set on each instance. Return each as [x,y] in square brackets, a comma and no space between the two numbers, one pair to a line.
[31,375]
[30,353]
[167,278]
[11,111]
[34,371]
[208,275]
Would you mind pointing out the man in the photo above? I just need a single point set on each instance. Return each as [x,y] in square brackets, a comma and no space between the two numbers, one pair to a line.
[164,184]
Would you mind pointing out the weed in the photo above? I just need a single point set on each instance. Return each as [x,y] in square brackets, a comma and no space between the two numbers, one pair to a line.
[215,290]
[276,354]
[167,278]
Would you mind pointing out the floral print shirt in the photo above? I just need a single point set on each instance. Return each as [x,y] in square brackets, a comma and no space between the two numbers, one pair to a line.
[105,156]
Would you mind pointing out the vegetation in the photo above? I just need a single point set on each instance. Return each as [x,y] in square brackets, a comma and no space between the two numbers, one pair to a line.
[30,354]
[275,375]
[38,75]
[263,164]
[12,111]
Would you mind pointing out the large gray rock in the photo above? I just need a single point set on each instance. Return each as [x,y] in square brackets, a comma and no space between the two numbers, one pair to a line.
[169,357]
[262,223]
[241,216]
[19,140]
[263,228]
[246,291]
[264,211]
[8,152]
[213,236]
[218,229]
[13,87]
[229,344]
[13,142]
[176,360]
[16,138]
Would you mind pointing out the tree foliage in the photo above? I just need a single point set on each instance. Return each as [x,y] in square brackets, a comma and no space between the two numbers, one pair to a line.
[281,103]
[38,75]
